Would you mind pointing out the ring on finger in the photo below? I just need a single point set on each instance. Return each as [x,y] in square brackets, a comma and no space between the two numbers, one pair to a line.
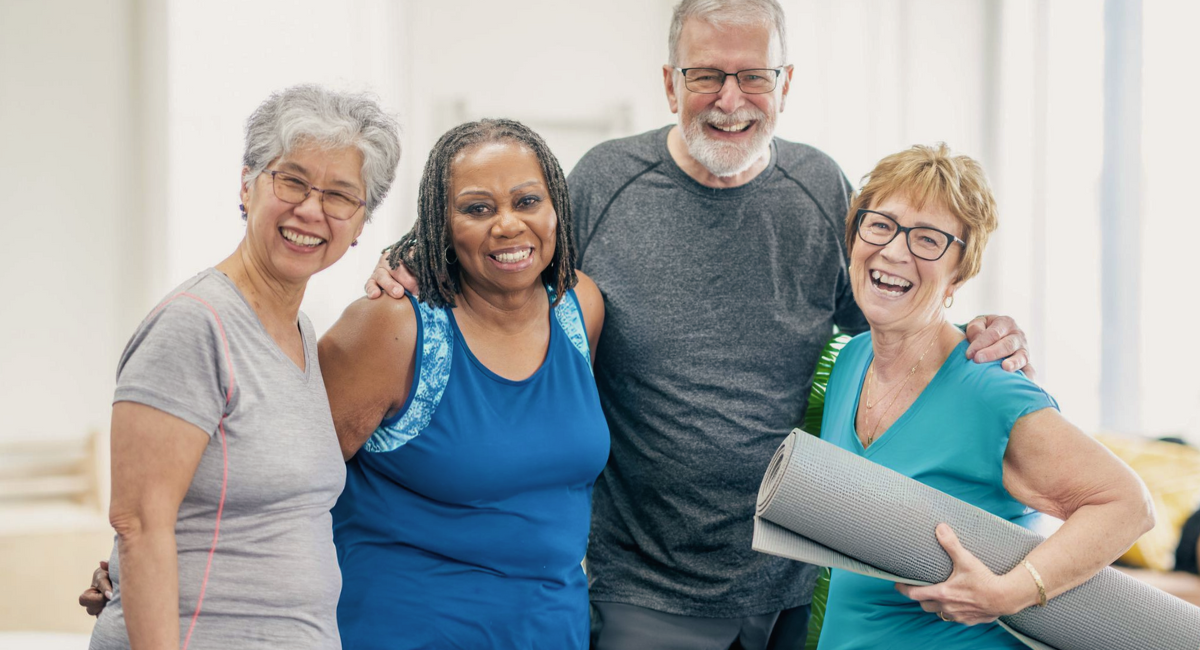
[942,615]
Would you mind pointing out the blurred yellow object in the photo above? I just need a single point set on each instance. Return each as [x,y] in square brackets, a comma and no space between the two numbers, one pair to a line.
[1172,474]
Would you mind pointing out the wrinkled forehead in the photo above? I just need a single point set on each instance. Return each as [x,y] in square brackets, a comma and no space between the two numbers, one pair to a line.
[915,205]
[729,46]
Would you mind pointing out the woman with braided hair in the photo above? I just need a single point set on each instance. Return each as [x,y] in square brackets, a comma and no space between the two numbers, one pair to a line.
[469,418]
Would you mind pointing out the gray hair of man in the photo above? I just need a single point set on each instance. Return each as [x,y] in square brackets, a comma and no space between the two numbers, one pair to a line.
[312,114]
[720,13]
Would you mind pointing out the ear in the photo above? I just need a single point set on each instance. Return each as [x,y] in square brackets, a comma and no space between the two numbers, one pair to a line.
[669,86]
[245,191]
[358,233]
[787,84]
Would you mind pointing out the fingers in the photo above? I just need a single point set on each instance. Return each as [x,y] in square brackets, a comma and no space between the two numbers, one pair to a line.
[1017,361]
[979,335]
[384,283]
[93,601]
[949,541]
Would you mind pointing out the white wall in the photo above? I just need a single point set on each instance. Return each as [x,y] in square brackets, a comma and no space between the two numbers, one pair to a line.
[67,154]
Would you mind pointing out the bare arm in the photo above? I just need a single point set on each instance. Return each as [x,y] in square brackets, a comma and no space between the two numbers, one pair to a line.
[1054,467]
[154,457]
[592,304]
[368,361]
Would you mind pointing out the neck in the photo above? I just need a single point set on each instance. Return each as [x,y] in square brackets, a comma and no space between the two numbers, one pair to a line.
[690,166]
[896,352]
[276,302]
[503,311]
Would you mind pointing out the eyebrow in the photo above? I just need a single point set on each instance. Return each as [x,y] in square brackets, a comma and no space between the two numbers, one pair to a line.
[523,185]
[919,224]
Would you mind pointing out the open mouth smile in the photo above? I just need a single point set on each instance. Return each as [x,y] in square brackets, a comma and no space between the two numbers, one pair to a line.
[737,127]
[889,284]
[300,239]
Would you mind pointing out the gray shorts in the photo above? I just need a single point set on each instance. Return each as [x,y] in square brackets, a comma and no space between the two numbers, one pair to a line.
[617,626]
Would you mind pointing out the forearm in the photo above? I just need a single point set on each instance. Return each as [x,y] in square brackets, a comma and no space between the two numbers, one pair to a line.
[149,585]
[1088,541]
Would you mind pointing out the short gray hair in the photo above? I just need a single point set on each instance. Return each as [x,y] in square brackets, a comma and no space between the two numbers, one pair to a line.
[728,12]
[310,113]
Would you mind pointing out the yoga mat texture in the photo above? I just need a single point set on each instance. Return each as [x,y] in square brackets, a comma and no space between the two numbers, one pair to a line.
[820,502]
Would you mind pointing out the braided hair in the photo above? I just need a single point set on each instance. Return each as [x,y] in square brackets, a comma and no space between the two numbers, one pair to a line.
[425,249]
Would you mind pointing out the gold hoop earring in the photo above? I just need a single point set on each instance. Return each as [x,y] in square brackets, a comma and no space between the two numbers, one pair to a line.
[948,302]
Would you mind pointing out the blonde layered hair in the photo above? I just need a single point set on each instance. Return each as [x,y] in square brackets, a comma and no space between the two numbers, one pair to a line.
[933,176]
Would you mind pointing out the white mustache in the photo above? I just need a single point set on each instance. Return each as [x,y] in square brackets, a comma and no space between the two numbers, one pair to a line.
[721,118]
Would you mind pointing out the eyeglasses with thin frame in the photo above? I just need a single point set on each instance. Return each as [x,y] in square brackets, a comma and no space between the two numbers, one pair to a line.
[929,244]
[709,81]
[295,190]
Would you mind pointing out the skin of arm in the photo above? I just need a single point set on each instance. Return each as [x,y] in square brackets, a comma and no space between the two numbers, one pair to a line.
[1051,466]
[368,361]
[592,305]
[154,457]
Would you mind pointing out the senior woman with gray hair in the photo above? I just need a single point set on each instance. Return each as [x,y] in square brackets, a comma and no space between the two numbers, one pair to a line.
[225,461]
[904,395]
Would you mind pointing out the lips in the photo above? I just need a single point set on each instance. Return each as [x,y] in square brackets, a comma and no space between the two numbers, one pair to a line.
[511,256]
[300,239]
[890,284]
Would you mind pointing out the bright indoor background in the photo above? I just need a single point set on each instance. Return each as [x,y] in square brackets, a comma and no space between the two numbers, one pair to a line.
[121,138]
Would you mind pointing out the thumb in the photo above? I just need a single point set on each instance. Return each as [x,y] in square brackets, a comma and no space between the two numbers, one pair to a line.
[954,548]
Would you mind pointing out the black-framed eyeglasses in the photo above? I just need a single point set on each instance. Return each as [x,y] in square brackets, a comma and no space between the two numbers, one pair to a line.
[930,244]
[709,81]
[293,189]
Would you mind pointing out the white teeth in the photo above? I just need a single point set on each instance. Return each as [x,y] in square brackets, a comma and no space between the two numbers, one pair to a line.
[509,258]
[733,128]
[884,278]
[299,239]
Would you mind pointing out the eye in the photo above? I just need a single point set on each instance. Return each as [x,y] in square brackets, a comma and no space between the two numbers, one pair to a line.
[476,209]
[528,201]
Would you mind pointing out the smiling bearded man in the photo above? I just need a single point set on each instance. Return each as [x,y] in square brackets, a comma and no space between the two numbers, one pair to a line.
[719,251]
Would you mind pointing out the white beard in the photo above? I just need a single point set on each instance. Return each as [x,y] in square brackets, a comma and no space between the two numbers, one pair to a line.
[724,158]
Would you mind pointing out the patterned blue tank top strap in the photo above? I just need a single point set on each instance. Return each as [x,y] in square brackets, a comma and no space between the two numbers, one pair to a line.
[436,338]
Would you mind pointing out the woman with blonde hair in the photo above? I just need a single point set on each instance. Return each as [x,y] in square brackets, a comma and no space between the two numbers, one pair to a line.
[905,396]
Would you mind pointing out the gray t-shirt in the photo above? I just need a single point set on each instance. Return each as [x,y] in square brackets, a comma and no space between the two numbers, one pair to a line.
[718,303]
[274,582]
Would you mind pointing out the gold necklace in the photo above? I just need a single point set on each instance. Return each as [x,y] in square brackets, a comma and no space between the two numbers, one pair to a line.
[898,389]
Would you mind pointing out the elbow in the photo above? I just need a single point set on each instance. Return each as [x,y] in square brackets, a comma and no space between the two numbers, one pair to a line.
[128,524]
[1144,510]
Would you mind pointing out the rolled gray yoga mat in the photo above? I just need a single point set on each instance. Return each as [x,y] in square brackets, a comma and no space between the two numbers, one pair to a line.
[822,504]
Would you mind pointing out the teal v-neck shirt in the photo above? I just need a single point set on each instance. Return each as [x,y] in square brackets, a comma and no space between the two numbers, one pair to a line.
[953,439]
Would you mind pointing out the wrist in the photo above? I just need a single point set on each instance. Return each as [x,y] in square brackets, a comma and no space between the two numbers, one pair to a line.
[1019,590]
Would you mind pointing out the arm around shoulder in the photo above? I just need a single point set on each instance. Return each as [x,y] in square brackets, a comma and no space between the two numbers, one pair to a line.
[368,362]
[591,303]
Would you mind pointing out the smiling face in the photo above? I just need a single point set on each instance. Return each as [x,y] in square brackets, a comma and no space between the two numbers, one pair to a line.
[502,223]
[896,290]
[729,131]
[294,241]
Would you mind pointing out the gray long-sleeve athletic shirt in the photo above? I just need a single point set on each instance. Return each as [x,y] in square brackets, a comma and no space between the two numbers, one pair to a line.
[718,303]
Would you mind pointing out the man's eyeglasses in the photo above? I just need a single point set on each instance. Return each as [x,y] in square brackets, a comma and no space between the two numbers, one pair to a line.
[929,244]
[709,81]
[293,189]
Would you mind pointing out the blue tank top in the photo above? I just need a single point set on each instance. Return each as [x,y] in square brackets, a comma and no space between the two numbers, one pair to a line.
[952,438]
[465,516]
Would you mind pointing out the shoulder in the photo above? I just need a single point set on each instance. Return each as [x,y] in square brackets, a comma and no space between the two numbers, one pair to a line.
[368,321]
[1008,395]
[591,302]
[616,161]
[813,169]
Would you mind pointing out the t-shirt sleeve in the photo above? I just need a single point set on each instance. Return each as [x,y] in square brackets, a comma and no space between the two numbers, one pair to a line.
[847,316]
[176,363]
[579,189]
[1012,395]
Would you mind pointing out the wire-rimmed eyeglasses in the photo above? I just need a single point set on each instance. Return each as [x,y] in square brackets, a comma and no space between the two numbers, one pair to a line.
[929,244]
[709,81]
[292,189]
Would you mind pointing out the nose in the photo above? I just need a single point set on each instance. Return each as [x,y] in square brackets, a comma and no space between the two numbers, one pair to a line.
[507,224]
[310,209]
[897,249]
[731,97]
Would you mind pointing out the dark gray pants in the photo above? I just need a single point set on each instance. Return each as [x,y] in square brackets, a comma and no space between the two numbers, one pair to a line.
[616,626]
